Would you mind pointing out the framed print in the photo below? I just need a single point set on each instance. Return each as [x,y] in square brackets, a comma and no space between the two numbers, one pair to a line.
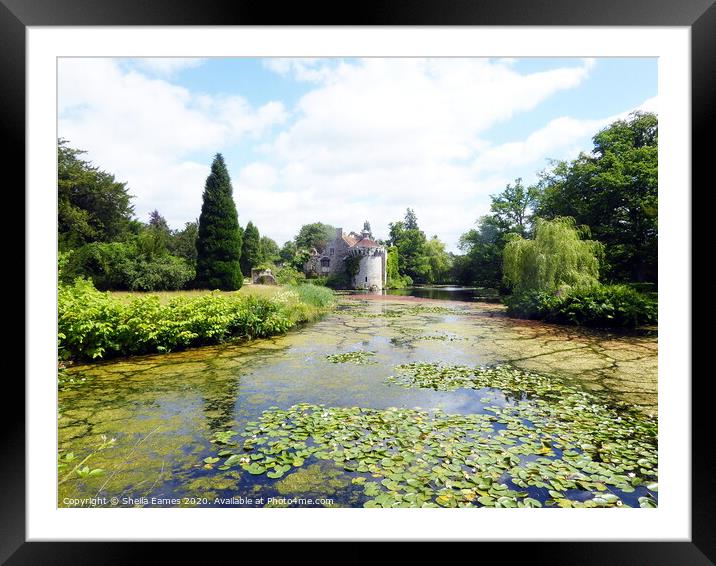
[424,275]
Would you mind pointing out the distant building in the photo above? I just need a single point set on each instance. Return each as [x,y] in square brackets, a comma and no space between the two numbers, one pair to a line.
[371,271]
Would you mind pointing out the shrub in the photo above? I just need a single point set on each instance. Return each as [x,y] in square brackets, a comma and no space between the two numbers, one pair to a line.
[288,275]
[598,305]
[123,266]
[93,324]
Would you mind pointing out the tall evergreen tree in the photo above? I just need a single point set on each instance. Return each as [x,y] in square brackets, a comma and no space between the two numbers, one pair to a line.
[218,245]
[250,249]
[411,221]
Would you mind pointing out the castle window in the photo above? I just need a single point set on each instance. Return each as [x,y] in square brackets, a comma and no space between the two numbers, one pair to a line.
[366,280]
[332,250]
[325,262]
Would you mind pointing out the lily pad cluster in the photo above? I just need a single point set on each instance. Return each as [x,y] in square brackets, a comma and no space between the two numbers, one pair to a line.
[415,458]
[444,377]
[360,357]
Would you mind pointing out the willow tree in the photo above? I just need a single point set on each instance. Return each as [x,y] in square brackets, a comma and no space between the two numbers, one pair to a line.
[218,243]
[556,257]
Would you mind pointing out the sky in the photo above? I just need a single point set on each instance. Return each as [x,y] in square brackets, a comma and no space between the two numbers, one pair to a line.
[341,141]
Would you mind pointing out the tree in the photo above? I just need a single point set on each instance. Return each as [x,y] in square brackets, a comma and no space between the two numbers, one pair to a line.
[288,253]
[218,244]
[513,206]
[250,249]
[557,256]
[270,252]
[410,242]
[614,191]
[91,205]
[315,235]
[183,242]
[411,221]
[439,261]
[157,221]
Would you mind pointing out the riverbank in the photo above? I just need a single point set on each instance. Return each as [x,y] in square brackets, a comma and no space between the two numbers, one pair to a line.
[95,325]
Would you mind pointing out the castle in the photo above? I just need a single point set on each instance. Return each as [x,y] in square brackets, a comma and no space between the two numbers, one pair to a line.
[369,267]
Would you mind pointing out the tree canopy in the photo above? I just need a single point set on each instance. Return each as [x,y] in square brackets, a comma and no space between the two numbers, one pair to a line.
[614,191]
[315,235]
[557,256]
[92,205]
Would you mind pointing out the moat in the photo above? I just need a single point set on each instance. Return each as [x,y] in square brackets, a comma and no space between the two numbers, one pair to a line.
[387,401]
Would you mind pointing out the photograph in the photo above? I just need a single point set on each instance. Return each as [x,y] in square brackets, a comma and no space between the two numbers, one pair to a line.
[358,282]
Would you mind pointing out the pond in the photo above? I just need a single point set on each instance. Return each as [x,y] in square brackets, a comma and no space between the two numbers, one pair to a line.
[448,293]
[385,402]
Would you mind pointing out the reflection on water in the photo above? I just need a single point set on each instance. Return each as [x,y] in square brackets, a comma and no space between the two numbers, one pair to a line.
[443,293]
[164,410]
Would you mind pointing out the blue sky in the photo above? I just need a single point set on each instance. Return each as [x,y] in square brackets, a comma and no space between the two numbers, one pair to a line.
[341,140]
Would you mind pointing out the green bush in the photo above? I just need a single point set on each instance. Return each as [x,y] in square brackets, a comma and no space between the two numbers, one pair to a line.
[93,324]
[124,266]
[598,305]
[288,275]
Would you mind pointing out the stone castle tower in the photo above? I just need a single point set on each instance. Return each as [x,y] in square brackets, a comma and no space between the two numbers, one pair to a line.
[371,273]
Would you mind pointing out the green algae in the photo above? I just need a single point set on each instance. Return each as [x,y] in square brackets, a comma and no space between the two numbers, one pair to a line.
[315,479]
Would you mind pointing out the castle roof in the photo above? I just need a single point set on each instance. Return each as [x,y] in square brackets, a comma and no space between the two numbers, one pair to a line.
[366,243]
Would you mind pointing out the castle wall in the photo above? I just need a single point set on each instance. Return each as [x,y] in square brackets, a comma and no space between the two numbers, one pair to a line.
[340,249]
[370,272]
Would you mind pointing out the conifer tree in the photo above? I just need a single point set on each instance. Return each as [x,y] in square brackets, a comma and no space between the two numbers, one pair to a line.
[218,244]
[250,249]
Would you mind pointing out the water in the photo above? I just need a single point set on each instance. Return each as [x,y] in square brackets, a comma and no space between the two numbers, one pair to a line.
[164,410]
[447,293]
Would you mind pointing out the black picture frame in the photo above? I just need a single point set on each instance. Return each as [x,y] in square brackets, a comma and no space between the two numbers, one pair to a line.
[699,15]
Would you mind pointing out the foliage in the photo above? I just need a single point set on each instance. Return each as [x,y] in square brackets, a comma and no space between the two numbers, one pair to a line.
[511,212]
[315,235]
[614,191]
[352,266]
[411,220]
[555,258]
[92,324]
[288,275]
[547,447]
[91,205]
[182,243]
[270,251]
[358,357]
[394,279]
[218,243]
[599,305]
[439,261]
[288,253]
[410,243]
[512,209]
[127,266]
[250,249]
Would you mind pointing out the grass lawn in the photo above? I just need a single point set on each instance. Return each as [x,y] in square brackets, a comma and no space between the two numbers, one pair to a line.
[166,296]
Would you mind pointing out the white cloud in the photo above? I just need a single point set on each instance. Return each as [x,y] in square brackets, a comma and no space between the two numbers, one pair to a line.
[144,130]
[167,66]
[304,69]
[379,135]
[367,140]
[561,138]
